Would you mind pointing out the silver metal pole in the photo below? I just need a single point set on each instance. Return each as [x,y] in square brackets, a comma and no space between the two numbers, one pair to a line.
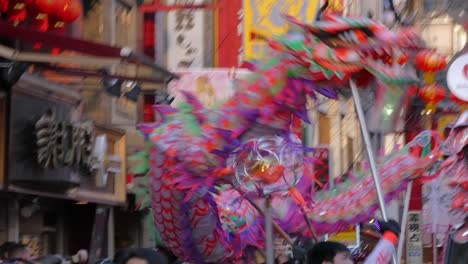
[270,257]
[404,220]
[370,153]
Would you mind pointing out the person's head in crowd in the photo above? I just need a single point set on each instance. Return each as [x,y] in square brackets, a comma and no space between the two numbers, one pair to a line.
[20,251]
[168,253]
[145,256]
[4,248]
[329,253]
[121,256]
[104,261]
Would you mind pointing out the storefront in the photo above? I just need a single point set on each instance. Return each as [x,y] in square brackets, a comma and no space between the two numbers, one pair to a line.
[57,198]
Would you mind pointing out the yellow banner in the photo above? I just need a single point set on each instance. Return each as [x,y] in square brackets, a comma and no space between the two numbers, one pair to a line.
[263,18]
[347,238]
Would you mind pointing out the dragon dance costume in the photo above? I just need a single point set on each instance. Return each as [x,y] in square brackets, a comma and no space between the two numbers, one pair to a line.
[207,167]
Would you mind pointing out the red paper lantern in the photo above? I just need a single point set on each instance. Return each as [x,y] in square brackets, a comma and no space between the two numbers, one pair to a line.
[39,15]
[430,61]
[432,94]
[45,6]
[4,6]
[17,11]
[68,12]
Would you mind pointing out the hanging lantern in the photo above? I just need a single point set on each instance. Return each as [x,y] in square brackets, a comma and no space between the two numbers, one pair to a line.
[4,6]
[430,62]
[45,6]
[17,11]
[39,10]
[432,94]
[463,104]
[68,12]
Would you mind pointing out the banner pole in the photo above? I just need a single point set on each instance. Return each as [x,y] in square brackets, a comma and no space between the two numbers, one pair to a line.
[370,152]
[404,220]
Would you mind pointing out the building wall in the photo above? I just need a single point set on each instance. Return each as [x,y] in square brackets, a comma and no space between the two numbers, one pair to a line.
[334,123]
[444,35]
[108,23]
[366,7]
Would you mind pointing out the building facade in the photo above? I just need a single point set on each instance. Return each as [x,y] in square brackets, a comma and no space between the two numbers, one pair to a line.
[62,209]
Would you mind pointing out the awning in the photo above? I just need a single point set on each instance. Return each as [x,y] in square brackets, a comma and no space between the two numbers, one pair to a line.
[97,54]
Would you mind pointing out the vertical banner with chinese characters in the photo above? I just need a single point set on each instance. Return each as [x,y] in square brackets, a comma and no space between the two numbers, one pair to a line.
[264,18]
[414,245]
[185,35]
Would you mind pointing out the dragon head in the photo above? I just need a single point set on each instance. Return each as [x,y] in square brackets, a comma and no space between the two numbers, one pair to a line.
[339,48]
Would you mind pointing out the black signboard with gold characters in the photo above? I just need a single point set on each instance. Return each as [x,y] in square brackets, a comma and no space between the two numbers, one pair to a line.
[24,168]
[63,144]
[54,150]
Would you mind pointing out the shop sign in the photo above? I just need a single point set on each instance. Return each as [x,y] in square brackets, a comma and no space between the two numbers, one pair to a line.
[457,77]
[264,18]
[61,144]
[414,245]
[186,35]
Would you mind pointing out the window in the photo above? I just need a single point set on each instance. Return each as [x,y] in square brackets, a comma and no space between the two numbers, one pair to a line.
[124,25]
[324,129]
[93,23]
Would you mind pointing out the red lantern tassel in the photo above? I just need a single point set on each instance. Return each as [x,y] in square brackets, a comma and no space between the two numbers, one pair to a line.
[40,22]
[17,12]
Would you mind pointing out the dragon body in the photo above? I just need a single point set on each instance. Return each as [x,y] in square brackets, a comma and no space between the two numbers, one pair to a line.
[200,213]
[456,165]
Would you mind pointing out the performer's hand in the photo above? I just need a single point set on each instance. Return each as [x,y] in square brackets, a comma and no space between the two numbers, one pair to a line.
[389,226]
